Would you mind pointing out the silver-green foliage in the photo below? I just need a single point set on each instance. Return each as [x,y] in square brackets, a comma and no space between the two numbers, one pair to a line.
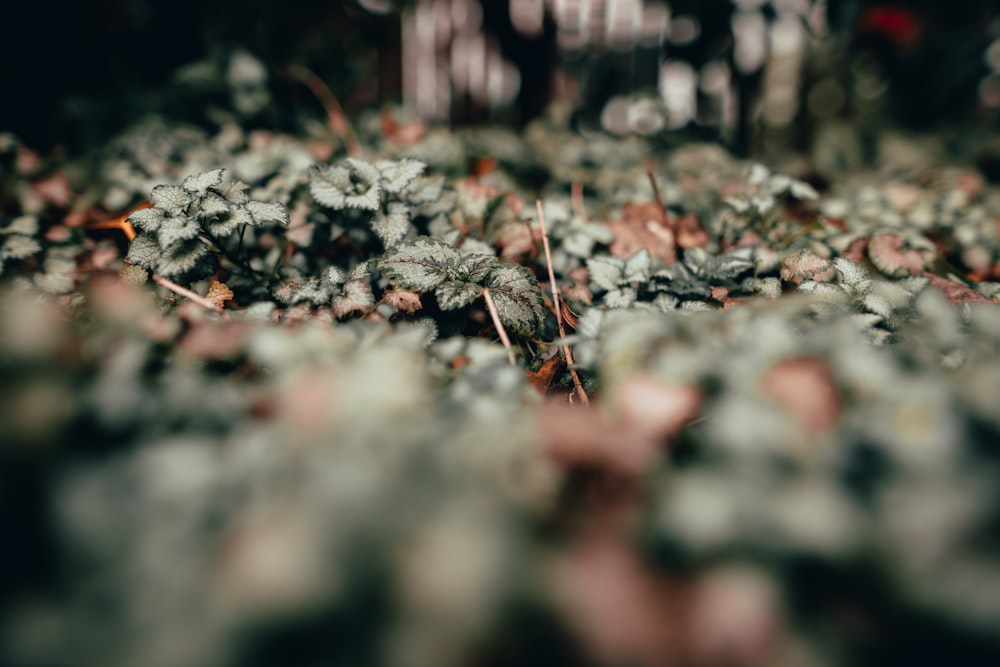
[457,279]
[175,233]
[386,190]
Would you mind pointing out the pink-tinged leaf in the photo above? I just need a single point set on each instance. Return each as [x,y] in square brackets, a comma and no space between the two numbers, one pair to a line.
[656,409]
[806,265]
[956,292]
[887,252]
[54,189]
[806,387]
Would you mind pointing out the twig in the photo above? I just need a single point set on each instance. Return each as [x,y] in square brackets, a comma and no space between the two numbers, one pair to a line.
[577,385]
[656,188]
[334,112]
[576,194]
[188,294]
[659,198]
[495,316]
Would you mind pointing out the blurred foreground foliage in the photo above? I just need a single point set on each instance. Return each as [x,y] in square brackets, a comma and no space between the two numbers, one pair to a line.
[310,449]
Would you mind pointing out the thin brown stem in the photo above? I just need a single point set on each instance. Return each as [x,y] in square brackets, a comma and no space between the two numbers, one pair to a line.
[656,188]
[554,286]
[336,117]
[576,194]
[188,294]
[495,316]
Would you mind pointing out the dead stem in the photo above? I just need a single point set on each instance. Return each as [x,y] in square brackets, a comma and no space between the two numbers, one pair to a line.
[492,308]
[576,194]
[656,188]
[335,113]
[188,294]
[567,352]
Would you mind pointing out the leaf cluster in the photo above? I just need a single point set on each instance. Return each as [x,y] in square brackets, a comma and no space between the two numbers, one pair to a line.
[187,225]
[456,279]
[387,193]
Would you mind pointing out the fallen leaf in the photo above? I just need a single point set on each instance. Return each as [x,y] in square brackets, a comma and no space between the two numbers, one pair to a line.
[54,189]
[643,225]
[406,133]
[404,300]
[806,387]
[690,233]
[887,254]
[721,294]
[957,293]
[541,379]
[218,293]
[656,409]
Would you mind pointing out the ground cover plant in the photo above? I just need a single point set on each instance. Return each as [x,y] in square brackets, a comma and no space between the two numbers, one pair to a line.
[409,395]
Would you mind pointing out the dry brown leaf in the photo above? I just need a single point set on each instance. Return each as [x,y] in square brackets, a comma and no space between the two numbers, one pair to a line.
[807,388]
[649,414]
[644,225]
[541,379]
[721,294]
[406,133]
[218,293]
[404,300]
[690,233]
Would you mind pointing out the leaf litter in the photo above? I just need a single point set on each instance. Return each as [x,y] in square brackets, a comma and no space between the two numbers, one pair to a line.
[292,371]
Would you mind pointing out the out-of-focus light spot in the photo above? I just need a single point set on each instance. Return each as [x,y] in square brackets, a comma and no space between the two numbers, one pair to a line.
[787,36]
[750,34]
[570,40]
[825,98]
[655,21]
[684,30]
[376,6]
[800,7]
[870,82]
[646,116]
[527,16]
[780,106]
[502,79]
[615,115]
[714,78]
[624,20]
[677,86]
[992,56]
[466,15]
[750,5]
[989,92]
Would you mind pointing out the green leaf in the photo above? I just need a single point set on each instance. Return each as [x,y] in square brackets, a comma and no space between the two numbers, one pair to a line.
[456,294]
[144,251]
[19,246]
[392,225]
[420,266]
[171,199]
[397,174]
[211,206]
[366,191]
[146,219]
[181,258]
[606,272]
[268,213]
[174,230]
[638,267]
[517,296]
[357,297]
[328,185]
[199,185]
